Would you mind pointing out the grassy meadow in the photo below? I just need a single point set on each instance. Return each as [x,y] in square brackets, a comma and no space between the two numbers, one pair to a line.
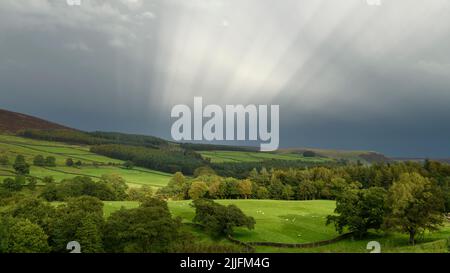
[276,221]
[300,222]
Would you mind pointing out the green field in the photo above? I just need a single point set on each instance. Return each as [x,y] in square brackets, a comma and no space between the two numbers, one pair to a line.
[12,146]
[301,222]
[238,156]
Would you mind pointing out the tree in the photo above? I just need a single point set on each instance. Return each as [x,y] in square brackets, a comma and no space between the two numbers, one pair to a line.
[33,209]
[178,187]
[287,192]
[32,182]
[89,235]
[4,160]
[262,193]
[307,190]
[25,237]
[4,234]
[50,192]
[216,189]
[245,188]
[80,219]
[128,165]
[446,191]
[20,166]
[415,205]
[39,160]
[198,190]
[117,184]
[231,188]
[13,185]
[48,180]
[254,175]
[219,220]
[276,188]
[69,162]
[140,194]
[309,154]
[359,210]
[146,229]
[78,163]
[50,161]
[83,186]
[204,171]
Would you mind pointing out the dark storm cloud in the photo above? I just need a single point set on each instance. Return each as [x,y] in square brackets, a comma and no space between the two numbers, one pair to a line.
[346,75]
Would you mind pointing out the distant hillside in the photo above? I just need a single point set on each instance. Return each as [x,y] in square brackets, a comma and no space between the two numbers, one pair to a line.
[363,156]
[36,128]
[421,159]
[13,122]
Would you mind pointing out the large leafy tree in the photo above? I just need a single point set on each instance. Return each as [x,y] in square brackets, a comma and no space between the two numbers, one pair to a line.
[22,236]
[89,234]
[307,190]
[147,229]
[358,210]
[80,219]
[35,210]
[220,220]
[117,184]
[198,189]
[140,194]
[245,188]
[415,204]
[178,187]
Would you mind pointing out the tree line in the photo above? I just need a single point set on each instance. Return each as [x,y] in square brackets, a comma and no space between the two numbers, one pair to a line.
[157,159]
[406,197]
[304,183]
[92,138]
[159,154]
[32,225]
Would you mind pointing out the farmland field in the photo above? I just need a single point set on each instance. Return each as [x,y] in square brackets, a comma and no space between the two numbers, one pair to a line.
[276,221]
[12,146]
[237,156]
[301,222]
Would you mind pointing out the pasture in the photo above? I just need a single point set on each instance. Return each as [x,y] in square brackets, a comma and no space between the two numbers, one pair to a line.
[301,222]
[93,165]
[238,156]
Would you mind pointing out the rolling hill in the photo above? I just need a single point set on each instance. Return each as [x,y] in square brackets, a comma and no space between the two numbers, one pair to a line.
[36,128]
[352,156]
[93,165]
[13,122]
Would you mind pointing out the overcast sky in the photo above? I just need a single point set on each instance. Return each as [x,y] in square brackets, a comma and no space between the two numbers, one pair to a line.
[346,74]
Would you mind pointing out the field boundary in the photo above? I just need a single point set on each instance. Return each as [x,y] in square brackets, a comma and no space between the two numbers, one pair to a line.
[292,245]
[70,173]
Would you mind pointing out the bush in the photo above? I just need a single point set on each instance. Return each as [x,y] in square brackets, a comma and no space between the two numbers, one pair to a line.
[39,160]
[69,162]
